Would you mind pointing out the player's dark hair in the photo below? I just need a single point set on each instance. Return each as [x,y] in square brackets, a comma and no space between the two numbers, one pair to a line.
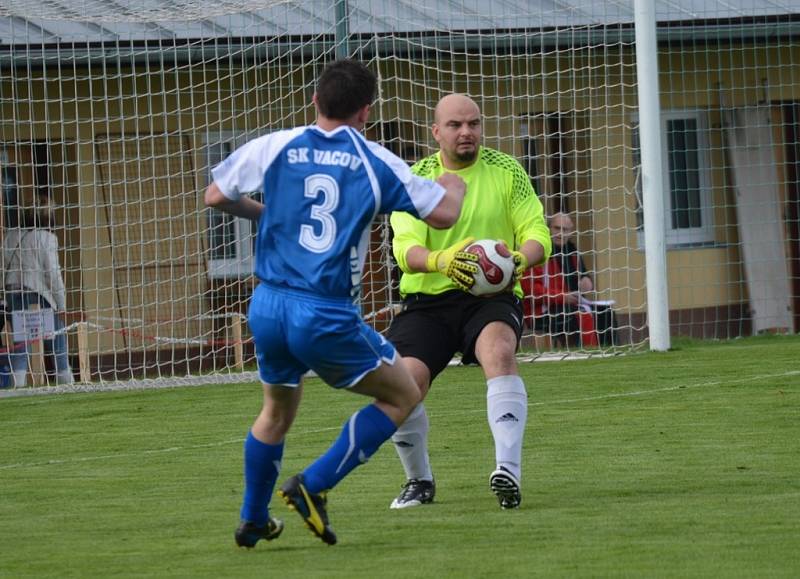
[344,87]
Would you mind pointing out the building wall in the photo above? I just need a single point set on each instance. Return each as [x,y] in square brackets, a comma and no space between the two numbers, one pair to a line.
[128,145]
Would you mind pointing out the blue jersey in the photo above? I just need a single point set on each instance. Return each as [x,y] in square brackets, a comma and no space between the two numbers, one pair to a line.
[321,192]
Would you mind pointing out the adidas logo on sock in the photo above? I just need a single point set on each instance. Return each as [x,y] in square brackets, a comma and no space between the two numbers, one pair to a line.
[403,444]
[507,417]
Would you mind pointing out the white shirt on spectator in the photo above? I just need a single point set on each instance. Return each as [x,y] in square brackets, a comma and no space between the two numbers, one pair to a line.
[30,263]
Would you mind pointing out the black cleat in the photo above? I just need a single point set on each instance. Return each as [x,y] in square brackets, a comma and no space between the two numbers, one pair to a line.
[506,487]
[415,492]
[310,506]
[248,534]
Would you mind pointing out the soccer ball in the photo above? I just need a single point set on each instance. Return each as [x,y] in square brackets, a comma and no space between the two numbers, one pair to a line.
[495,267]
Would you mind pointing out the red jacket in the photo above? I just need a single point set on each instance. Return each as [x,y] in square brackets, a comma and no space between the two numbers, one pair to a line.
[544,289]
[544,286]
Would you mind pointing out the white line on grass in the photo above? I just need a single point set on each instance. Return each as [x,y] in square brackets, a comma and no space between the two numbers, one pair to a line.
[643,392]
[670,388]
[338,427]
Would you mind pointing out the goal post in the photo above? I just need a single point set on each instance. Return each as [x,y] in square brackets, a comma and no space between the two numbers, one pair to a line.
[115,113]
[652,175]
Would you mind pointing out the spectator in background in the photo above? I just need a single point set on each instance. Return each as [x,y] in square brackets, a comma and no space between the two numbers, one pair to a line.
[32,276]
[557,287]
[6,377]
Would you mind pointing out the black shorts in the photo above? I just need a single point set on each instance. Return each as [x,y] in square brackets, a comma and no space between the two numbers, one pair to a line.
[432,328]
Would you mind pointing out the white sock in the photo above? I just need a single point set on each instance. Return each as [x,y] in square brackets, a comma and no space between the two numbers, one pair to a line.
[65,377]
[20,377]
[507,410]
[411,444]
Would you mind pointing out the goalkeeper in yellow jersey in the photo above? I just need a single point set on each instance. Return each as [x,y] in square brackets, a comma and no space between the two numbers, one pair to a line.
[440,318]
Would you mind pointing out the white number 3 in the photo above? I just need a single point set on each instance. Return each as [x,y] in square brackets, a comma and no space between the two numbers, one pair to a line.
[325,185]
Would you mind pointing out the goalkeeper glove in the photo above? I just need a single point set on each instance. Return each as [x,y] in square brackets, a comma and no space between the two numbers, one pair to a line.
[520,263]
[455,263]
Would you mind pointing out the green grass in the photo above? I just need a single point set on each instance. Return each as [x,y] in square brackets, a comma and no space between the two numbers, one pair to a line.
[677,464]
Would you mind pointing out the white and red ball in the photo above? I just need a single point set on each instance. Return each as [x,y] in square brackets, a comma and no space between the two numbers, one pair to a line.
[495,267]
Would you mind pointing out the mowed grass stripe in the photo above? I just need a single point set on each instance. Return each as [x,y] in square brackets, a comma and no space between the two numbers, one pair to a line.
[671,465]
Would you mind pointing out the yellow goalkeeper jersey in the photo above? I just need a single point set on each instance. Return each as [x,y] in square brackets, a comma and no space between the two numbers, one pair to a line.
[500,204]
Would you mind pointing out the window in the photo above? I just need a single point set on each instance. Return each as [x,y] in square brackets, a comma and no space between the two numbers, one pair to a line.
[400,137]
[25,173]
[530,157]
[687,184]
[231,240]
[9,178]
[552,153]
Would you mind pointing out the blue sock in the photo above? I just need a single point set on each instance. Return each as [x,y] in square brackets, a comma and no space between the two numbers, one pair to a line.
[262,464]
[361,436]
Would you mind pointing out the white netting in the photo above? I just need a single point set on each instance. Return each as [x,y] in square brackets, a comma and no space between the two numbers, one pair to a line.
[116,111]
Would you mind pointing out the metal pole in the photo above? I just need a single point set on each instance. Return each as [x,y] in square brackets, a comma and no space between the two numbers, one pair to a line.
[652,177]
[342,30]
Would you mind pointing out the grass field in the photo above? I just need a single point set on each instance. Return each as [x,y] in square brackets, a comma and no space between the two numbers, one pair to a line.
[679,464]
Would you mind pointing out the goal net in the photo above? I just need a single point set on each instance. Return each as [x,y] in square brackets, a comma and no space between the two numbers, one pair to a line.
[114,112]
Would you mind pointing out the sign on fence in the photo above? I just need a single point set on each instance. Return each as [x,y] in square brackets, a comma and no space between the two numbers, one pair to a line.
[29,325]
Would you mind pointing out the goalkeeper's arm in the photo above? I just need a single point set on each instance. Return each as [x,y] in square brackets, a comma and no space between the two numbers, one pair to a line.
[452,262]
[531,253]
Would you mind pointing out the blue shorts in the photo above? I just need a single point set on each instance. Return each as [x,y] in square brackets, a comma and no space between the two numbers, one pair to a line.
[295,331]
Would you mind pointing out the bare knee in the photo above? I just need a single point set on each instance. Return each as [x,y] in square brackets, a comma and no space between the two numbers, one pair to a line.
[278,420]
[277,413]
[403,399]
[496,350]
[414,397]
[399,400]
[421,375]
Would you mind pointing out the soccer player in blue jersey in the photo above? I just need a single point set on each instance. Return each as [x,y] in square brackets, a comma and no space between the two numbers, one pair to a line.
[439,319]
[322,187]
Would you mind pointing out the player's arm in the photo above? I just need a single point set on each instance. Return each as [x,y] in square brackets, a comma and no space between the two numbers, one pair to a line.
[51,270]
[242,173]
[244,206]
[531,233]
[436,201]
[412,256]
[408,242]
[410,234]
[530,252]
[446,213]
[460,266]
[417,259]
